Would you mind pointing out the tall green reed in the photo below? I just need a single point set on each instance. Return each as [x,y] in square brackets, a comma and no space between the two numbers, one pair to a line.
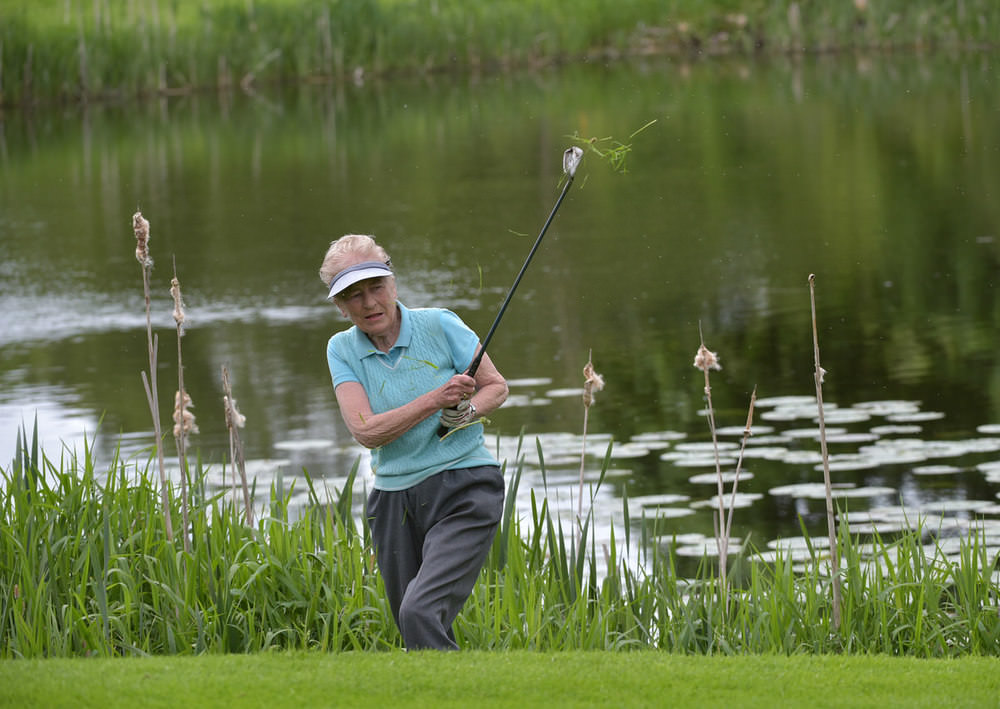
[92,572]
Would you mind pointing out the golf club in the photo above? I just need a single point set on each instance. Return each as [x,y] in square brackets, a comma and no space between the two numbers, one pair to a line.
[571,159]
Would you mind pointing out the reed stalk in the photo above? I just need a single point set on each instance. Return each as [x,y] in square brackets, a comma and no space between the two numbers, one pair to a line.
[830,518]
[184,423]
[739,466]
[706,360]
[140,227]
[593,382]
[234,422]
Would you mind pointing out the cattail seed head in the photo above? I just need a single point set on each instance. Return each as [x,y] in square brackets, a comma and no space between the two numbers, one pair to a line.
[706,360]
[141,228]
[183,419]
[234,419]
[593,382]
[175,291]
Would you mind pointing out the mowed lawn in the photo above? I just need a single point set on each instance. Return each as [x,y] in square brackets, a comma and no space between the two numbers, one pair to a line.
[501,679]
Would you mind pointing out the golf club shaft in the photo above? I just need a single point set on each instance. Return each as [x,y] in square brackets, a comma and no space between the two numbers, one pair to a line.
[474,367]
[471,371]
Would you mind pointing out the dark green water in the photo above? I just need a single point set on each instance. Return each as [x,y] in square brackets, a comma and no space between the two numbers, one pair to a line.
[880,175]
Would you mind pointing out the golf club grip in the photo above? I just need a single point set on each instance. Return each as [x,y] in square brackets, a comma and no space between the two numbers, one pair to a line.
[470,372]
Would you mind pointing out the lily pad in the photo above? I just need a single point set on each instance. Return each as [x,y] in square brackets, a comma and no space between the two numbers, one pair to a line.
[657,500]
[627,450]
[774,439]
[706,446]
[857,437]
[937,470]
[656,436]
[915,416]
[741,499]
[813,432]
[775,401]
[817,491]
[845,416]
[789,543]
[741,430]
[849,462]
[657,512]
[708,548]
[766,453]
[946,506]
[897,429]
[877,527]
[713,478]
[889,407]
[801,457]
[703,461]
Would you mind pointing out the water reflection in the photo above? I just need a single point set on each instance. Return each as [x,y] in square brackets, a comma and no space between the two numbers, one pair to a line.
[879,177]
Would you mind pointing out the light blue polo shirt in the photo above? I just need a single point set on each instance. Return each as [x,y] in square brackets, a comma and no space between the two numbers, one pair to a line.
[433,345]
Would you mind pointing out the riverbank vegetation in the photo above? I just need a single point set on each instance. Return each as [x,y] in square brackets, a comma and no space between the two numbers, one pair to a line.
[91,572]
[71,50]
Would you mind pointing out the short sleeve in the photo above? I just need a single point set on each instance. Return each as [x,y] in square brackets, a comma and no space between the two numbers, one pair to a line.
[461,339]
[340,370]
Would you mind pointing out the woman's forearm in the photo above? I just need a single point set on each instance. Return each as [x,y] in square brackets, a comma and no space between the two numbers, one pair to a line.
[373,430]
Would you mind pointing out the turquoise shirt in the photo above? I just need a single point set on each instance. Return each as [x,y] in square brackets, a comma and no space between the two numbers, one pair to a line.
[433,345]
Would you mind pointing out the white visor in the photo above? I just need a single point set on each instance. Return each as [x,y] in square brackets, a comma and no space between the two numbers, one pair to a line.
[358,272]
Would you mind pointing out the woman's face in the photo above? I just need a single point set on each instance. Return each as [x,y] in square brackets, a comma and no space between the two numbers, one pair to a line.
[371,305]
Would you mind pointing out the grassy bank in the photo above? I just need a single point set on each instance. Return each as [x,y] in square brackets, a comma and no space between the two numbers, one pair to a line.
[76,50]
[89,571]
[512,679]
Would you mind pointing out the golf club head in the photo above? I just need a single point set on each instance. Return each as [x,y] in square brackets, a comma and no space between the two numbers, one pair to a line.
[571,158]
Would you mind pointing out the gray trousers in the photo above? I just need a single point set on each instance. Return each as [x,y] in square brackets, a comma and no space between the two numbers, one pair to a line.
[431,541]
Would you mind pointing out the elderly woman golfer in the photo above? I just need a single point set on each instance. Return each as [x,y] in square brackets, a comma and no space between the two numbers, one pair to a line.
[398,376]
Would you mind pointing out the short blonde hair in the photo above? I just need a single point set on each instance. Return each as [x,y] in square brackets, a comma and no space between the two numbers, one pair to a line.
[348,250]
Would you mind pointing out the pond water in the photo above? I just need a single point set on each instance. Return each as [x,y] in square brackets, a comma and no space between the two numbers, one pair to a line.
[880,175]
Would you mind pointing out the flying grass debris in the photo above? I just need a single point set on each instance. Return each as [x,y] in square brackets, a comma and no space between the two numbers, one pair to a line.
[613,151]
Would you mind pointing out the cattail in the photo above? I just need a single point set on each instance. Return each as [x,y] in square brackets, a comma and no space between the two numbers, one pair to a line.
[141,228]
[234,421]
[175,291]
[184,423]
[233,417]
[593,382]
[183,419]
[831,525]
[706,360]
